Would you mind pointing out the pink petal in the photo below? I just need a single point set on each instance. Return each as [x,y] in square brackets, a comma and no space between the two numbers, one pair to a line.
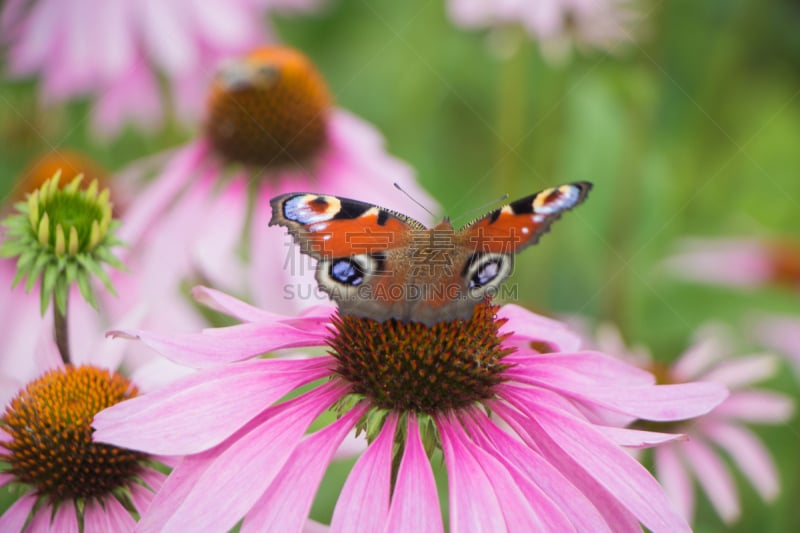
[224,303]
[226,345]
[241,472]
[673,477]
[757,406]
[635,438]
[175,489]
[363,504]
[163,191]
[614,513]
[749,455]
[737,262]
[594,367]
[713,476]
[66,518]
[657,402]
[619,473]
[474,505]
[736,373]
[16,515]
[527,326]
[525,460]
[704,353]
[117,517]
[415,502]
[201,410]
[285,505]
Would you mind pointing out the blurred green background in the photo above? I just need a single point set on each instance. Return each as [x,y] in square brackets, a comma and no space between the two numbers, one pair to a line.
[692,129]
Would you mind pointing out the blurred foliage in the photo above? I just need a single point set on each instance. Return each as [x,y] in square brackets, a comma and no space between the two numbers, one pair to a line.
[692,129]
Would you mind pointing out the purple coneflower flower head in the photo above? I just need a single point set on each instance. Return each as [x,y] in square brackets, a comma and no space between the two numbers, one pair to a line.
[520,451]
[743,263]
[64,479]
[722,430]
[554,23]
[271,129]
[116,52]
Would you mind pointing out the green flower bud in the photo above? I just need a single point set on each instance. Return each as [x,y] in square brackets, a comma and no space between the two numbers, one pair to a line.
[62,235]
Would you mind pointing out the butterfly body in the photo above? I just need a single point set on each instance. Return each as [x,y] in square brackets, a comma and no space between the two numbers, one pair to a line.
[380,264]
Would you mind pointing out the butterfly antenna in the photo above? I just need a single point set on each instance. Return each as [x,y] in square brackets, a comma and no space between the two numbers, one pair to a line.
[399,188]
[483,207]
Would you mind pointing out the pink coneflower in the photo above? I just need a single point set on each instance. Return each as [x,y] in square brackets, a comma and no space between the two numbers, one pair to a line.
[554,23]
[66,481]
[271,129]
[722,429]
[738,262]
[115,52]
[535,463]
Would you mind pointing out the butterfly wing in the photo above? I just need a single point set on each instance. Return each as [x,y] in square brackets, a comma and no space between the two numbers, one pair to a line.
[327,227]
[511,228]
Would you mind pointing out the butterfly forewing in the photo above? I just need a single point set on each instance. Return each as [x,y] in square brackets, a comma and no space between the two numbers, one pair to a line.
[519,224]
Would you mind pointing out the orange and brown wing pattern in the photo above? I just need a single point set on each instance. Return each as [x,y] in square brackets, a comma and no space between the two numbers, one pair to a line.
[326,226]
[519,224]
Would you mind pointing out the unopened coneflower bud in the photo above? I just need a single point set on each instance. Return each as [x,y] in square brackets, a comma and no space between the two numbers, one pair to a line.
[62,235]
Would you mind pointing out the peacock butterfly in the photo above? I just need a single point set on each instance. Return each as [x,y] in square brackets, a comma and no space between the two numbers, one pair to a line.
[380,264]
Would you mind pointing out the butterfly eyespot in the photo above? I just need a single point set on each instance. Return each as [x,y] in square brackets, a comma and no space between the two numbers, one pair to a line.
[487,270]
[352,271]
[486,273]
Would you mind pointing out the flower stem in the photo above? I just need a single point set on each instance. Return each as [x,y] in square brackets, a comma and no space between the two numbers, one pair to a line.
[61,332]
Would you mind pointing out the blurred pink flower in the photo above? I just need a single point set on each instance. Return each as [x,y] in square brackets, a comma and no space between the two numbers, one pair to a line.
[739,262]
[722,429]
[547,468]
[780,333]
[554,23]
[209,206]
[117,51]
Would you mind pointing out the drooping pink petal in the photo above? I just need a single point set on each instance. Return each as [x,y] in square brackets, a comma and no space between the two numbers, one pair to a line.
[700,356]
[228,344]
[713,476]
[512,485]
[595,367]
[119,518]
[287,501]
[744,371]
[757,406]
[363,504]
[415,502]
[168,421]
[243,471]
[66,518]
[656,402]
[614,513]
[749,455]
[636,438]
[163,191]
[673,477]
[474,505]
[527,326]
[224,303]
[568,499]
[16,515]
[618,472]
[737,262]
[175,489]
